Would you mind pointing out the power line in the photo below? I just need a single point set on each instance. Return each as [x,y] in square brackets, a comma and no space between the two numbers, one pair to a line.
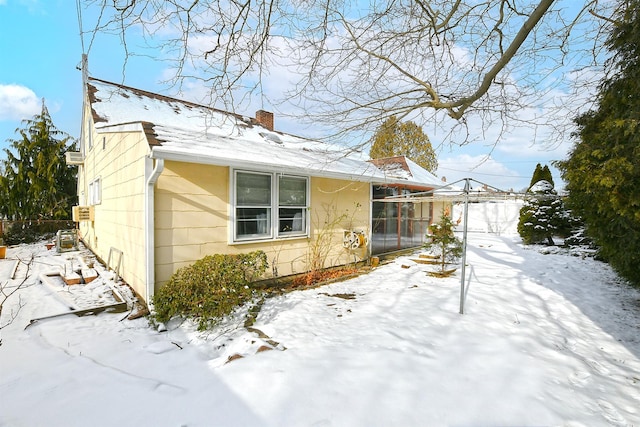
[481,173]
[79,13]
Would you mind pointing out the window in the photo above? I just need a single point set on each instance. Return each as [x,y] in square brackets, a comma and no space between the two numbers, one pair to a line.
[292,205]
[95,192]
[270,205]
[253,205]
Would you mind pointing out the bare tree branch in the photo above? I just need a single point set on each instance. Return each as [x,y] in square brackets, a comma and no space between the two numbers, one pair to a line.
[356,64]
[457,109]
[5,294]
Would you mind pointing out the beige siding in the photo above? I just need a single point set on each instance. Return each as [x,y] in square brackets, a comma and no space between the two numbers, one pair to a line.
[192,221]
[345,206]
[119,217]
[191,215]
[439,208]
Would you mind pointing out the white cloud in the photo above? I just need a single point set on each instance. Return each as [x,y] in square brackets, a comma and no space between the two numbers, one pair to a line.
[18,102]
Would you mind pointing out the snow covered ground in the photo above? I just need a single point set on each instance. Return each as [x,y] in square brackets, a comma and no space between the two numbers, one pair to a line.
[547,339]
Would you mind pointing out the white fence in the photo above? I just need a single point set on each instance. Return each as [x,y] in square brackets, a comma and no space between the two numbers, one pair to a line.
[497,217]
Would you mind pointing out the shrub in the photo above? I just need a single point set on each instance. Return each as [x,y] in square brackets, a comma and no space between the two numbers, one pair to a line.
[31,231]
[543,215]
[210,288]
[443,242]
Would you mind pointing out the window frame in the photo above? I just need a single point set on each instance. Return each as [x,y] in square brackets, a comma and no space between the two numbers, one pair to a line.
[268,234]
[275,218]
[95,191]
[303,208]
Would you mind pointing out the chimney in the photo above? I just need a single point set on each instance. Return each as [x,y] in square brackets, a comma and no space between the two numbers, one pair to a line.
[265,118]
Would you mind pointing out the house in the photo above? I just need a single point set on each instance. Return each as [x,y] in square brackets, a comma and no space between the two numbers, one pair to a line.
[164,182]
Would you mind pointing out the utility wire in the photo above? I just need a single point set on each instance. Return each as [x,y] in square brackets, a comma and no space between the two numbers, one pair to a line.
[79,13]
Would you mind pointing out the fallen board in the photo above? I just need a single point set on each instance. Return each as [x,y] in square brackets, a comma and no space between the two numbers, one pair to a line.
[114,308]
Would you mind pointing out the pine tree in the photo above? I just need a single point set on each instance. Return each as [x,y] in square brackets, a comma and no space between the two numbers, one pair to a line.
[547,176]
[602,171]
[394,138]
[542,216]
[537,176]
[36,182]
[541,174]
[443,242]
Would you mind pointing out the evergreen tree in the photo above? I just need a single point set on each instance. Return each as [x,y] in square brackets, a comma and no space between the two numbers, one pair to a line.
[443,242]
[543,215]
[394,138]
[546,175]
[36,182]
[541,174]
[603,169]
[537,176]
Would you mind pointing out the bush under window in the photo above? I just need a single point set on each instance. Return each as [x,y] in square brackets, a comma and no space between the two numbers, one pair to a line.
[211,288]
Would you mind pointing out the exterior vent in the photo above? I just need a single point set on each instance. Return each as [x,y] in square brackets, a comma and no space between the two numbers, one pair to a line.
[82,213]
[271,137]
[74,158]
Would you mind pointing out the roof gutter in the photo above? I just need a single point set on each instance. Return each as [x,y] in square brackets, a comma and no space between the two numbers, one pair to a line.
[151,172]
[252,165]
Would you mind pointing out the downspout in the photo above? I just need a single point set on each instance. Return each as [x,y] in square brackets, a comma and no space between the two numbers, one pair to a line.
[151,173]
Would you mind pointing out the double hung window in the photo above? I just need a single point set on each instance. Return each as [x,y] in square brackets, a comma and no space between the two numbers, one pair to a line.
[270,205]
[292,205]
[253,205]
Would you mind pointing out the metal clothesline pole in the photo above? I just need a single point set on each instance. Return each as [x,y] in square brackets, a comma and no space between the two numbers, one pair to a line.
[448,193]
[467,186]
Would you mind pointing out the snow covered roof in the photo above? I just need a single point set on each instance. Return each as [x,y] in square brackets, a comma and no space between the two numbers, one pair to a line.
[184,131]
[400,167]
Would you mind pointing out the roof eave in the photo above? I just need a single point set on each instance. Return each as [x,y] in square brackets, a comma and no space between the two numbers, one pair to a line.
[119,128]
[159,153]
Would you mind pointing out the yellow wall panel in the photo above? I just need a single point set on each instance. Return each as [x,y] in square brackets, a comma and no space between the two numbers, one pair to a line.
[195,198]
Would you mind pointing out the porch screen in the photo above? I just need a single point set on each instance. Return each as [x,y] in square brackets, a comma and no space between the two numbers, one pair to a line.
[397,225]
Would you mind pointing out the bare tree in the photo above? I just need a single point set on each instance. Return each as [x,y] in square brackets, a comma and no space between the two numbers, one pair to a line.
[433,61]
[8,289]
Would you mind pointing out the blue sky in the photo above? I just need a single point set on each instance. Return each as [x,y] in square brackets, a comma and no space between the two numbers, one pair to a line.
[41,49]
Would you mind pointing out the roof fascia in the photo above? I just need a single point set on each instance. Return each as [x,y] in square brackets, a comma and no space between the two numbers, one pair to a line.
[158,153]
[260,166]
[123,127]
